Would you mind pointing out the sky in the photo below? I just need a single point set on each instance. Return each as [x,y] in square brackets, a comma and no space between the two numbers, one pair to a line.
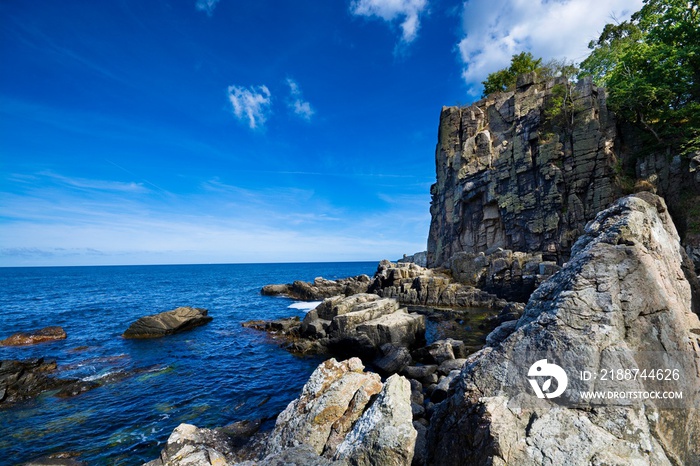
[238,131]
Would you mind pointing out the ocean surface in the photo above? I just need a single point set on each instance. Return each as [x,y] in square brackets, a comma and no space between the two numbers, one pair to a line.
[210,376]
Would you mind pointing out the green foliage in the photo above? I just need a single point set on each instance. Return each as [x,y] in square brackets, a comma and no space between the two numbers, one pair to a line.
[504,80]
[558,69]
[560,109]
[651,68]
[524,62]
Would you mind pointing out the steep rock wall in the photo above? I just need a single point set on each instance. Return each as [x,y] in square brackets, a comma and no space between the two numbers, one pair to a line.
[625,298]
[510,176]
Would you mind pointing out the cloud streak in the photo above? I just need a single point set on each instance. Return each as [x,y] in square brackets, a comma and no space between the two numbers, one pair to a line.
[408,12]
[96,185]
[494,30]
[252,105]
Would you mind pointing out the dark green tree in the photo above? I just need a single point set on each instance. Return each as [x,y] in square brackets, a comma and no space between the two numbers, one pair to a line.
[505,79]
[651,68]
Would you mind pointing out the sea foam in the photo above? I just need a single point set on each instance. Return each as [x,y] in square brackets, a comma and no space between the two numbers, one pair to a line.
[305,306]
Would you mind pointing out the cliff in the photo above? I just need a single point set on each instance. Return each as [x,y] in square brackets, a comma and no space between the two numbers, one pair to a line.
[624,301]
[525,170]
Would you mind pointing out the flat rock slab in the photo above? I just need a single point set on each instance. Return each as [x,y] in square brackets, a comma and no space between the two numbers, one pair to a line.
[167,323]
[37,336]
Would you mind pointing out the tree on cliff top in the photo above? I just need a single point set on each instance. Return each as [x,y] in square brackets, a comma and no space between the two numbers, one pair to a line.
[651,68]
[524,62]
[504,80]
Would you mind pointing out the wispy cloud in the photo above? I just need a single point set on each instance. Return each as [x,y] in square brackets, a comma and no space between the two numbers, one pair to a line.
[206,5]
[58,224]
[408,12]
[98,185]
[253,104]
[497,29]
[297,104]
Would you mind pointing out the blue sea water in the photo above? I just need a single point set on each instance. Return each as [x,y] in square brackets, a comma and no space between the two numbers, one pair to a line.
[210,376]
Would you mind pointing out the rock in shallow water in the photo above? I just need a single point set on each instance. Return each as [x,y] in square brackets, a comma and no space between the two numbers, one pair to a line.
[38,336]
[344,416]
[58,459]
[190,445]
[167,323]
[319,289]
[22,380]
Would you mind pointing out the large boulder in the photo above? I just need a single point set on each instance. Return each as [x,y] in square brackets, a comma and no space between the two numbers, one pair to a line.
[331,401]
[320,288]
[360,324]
[344,416]
[38,336]
[384,435]
[167,323]
[22,380]
[411,284]
[190,445]
[624,301]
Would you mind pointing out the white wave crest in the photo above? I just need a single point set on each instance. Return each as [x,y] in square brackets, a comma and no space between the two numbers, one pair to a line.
[94,377]
[305,306]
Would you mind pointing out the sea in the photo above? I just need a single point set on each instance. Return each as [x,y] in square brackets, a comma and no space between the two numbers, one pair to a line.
[210,376]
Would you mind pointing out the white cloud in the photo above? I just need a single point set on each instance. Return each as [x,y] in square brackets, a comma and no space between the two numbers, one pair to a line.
[96,185]
[252,104]
[51,225]
[408,11]
[497,29]
[297,104]
[206,6]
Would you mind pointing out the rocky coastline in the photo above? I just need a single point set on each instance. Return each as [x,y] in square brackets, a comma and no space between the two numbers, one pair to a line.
[535,255]
[447,404]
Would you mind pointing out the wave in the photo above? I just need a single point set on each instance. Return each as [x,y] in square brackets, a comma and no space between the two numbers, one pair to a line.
[94,377]
[305,306]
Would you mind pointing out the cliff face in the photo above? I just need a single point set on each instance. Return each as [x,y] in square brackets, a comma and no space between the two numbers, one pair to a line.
[624,300]
[523,170]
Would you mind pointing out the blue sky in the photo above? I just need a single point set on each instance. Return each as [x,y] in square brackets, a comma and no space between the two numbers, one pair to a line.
[214,131]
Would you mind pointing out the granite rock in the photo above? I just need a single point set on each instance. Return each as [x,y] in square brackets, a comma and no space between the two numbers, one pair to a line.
[320,288]
[167,323]
[331,401]
[622,297]
[507,178]
[384,434]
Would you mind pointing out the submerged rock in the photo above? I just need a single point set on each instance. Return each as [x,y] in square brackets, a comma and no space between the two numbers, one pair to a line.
[167,323]
[624,301]
[58,459]
[38,336]
[22,380]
